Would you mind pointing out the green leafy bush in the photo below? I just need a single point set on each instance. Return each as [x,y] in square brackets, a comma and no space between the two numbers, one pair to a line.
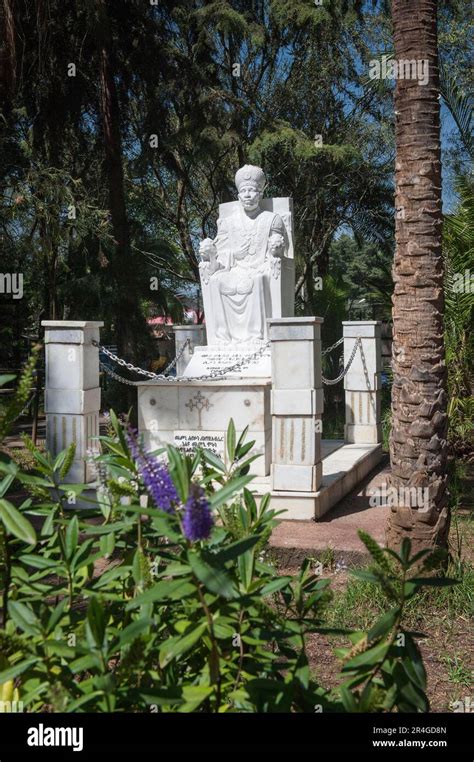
[158,598]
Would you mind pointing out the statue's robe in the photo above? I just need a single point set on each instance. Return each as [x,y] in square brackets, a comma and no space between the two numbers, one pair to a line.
[240,289]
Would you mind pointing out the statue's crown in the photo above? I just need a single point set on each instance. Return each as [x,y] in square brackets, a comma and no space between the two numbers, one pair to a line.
[250,175]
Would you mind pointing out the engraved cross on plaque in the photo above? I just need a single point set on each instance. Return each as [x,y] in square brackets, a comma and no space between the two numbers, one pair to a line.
[200,403]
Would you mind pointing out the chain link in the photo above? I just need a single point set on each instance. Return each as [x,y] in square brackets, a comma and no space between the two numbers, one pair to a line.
[230,368]
[332,381]
[333,346]
[22,411]
[135,368]
[214,375]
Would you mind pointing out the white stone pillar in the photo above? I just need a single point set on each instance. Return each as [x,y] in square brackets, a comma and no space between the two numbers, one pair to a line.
[296,403]
[362,383]
[72,391]
[197,338]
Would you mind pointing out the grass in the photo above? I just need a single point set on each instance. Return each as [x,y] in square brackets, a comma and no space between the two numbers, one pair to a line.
[458,672]
[360,602]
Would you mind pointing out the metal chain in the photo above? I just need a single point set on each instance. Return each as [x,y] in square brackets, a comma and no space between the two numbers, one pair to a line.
[230,368]
[214,375]
[25,407]
[333,346]
[135,368]
[116,376]
[332,381]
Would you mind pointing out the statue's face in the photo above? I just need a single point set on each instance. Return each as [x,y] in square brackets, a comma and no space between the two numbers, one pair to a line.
[249,197]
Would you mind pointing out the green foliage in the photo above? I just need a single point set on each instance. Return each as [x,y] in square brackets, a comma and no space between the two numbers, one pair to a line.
[458,249]
[11,411]
[384,669]
[174,625]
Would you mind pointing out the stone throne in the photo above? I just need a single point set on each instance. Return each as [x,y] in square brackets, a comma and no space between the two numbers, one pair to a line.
[282,287]
[247,277]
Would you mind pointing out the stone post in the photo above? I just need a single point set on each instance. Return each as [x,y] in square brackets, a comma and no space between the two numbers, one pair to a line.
[72,391]
[362,383]
[296,403]
[197,338]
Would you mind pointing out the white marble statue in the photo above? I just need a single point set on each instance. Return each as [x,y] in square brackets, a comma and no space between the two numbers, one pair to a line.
[241,268]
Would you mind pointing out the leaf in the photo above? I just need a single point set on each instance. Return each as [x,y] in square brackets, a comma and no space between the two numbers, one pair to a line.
[72,534]
[6,483]
[434,581]
[117,426]
[16,523]
[275,585]
[74,705]
[236,549]
[230,440]
[178,471]
[246,563]
[369,657]
[164,527]
[168,589]
[96,622]
[107,544]
[416,668]
[348,700]
[175,647]
[167,695]
[364,575]
[56,614]
[59,648]
[5,378]
[405,551]
[214,461]
[37,562]
[13,672]
[215,580]
[384,624]
[222,495]
[133,630]
[194,695]
[24,617]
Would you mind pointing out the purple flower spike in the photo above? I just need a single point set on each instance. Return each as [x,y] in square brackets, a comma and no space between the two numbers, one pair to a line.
[155,475]
[197,520]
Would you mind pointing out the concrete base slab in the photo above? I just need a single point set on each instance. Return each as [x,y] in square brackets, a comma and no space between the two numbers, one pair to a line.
[334,539]
[344,466]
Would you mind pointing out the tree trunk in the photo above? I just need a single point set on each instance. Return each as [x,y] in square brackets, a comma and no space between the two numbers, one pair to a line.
[418,445]
[123,270]
[8,54]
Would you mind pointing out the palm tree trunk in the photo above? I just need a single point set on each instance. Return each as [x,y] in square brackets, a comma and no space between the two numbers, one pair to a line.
[418,446]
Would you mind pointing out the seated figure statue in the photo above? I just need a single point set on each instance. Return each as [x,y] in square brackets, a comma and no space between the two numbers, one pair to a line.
[237,267]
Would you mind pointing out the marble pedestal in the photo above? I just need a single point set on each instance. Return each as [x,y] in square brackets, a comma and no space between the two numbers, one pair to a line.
[363,382]
[216,358]
[72,392]
[189,414]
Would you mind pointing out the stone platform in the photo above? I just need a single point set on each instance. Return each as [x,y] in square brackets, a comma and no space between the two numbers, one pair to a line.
[334,538]
[343,465]
[192,414]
